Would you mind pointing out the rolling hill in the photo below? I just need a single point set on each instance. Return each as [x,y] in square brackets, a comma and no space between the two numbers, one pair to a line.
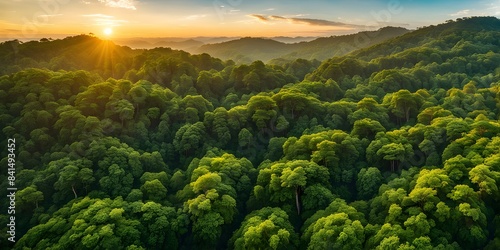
[447,42]
[246,50]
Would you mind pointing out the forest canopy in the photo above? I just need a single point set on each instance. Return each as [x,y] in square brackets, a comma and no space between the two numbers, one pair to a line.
[394,146]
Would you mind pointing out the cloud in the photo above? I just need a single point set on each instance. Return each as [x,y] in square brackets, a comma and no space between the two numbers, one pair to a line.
[50,15]
[308,21]
[195,17]
[494,8]
[260,17]
[461,13]
[278,18]
[12,30]
[105,20]
[125,4]
[319,22]
[109,22]
[98,16]
[381,24]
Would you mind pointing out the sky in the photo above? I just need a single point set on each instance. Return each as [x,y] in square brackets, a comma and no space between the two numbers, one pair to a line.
[232,18]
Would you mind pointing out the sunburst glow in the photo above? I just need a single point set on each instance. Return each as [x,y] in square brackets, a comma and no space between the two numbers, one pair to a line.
[108,31]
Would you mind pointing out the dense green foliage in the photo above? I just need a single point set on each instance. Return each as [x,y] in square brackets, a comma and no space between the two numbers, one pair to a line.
[391,147]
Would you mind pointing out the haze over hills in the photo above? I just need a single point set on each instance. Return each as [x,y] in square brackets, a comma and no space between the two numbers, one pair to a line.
[78,51]
[250,49]
[192,44]
[186,44]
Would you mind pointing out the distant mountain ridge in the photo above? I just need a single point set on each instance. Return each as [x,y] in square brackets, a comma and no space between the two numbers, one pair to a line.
[191,44]
[91,53]
[246,49]
[249,49]
[187,45]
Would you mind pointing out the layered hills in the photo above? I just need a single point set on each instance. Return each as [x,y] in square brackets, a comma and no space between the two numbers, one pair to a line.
[252,49]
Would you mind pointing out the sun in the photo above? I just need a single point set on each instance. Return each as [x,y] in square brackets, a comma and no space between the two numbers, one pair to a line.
[108,31]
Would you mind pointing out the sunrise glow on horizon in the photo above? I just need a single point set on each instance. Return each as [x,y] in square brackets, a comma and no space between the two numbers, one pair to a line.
[108,31]
[193,18]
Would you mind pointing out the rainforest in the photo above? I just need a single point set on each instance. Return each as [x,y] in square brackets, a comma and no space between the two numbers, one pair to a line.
[391,145]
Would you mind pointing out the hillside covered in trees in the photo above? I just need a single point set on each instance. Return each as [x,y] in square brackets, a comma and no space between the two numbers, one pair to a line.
[394,146]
